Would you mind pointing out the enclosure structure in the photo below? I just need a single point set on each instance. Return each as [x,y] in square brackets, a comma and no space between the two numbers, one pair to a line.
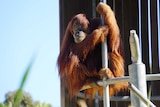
[140,15]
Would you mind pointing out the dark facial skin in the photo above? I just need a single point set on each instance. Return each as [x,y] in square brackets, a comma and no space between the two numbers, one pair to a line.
[80,27]
[79,33]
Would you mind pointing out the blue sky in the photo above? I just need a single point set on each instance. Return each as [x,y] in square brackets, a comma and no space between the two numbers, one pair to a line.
[29,27]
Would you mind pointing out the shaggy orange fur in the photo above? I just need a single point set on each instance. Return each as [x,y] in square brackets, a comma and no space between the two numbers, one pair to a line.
[81,64]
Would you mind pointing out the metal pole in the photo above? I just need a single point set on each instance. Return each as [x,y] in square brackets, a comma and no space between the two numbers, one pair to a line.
[158,22]
[149,35]
[106,100]
[149,77]
[140,95]
[140,25]
[137,71]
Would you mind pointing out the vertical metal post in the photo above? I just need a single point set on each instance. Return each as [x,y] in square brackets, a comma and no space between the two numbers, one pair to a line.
[106,100]
[137,70]
[140,25]
[158,21]
[96,101]
[149,35]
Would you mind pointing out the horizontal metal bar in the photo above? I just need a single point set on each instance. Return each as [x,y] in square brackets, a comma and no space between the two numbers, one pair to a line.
[127,98]
[149,77]
[119,98]
[153,77]
[114,80]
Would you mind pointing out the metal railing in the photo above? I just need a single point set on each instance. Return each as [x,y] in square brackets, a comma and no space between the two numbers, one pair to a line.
[137,79]
[137,71]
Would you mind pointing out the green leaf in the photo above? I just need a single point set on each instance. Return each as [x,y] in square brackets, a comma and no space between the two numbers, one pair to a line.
[26,73]
[18,95]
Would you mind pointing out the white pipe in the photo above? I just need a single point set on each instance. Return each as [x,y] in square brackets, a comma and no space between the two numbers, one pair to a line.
[158,22]
[106,99]
[140,26]
[149,35]
[137,71]
[140,95]
[149,77]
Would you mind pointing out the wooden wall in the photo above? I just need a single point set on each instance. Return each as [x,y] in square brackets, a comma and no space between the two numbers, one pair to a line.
[126,12]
